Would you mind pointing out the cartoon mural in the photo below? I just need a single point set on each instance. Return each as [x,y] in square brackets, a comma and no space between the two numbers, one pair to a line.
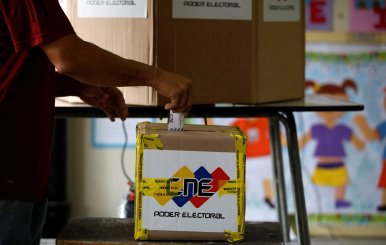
[257,131]
[367,16]
[330,136]
[376,134]
[357,175]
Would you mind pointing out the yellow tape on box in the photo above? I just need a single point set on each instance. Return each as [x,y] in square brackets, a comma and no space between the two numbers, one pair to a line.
[190,184]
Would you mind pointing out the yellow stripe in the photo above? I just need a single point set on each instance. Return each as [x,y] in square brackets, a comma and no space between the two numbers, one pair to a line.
[152,141]
[233,236]
[240,147]
[144,141]
[230,188]
[160,188]
[139,232]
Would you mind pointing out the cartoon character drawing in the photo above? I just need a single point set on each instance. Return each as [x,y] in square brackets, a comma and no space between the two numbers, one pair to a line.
[330,136]
[376,134]
[257,130]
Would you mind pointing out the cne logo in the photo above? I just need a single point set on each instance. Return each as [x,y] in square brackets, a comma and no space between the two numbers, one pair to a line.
[187,186]
[197,187]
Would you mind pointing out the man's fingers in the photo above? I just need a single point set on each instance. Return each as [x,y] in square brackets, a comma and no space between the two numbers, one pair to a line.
[120,107]
[120,111]
[180,102]
[116,110]
[117,104]
[175,103]
[123,114]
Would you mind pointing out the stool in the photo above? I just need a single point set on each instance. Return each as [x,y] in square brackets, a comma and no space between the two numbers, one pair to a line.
[98,231]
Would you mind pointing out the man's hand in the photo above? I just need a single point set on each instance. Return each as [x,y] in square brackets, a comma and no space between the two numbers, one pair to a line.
[175,87]
[108,99]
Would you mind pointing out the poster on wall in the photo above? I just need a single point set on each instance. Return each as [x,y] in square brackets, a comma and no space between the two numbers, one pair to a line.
[367,16]
[343,153]
[319,15]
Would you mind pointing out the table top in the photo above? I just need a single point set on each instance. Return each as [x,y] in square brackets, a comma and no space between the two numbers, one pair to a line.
[96,231]
[310,103]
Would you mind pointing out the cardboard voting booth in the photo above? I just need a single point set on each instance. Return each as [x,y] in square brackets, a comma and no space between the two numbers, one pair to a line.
[235,51]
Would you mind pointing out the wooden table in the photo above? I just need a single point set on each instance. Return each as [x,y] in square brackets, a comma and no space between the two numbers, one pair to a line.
[96,231]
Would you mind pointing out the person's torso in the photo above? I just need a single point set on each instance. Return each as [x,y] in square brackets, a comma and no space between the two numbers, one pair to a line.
[27,111]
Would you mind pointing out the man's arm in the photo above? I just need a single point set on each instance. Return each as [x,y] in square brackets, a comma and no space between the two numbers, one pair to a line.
[90,64]
[108,99]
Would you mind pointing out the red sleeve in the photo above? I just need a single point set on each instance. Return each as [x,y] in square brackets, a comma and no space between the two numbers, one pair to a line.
[34,22]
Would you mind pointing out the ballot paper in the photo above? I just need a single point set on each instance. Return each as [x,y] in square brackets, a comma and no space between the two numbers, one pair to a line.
[176,121]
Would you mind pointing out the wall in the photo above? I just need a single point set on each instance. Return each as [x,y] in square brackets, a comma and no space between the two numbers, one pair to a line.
[96,183]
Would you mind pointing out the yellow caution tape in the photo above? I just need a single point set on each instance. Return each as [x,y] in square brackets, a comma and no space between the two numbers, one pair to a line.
[139,233]
[152,141]
[147,186]
[233,236]
[240,147]
[160,188]
[229,188]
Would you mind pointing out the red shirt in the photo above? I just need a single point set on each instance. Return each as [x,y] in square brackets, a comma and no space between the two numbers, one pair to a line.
[27,95]
[257,131]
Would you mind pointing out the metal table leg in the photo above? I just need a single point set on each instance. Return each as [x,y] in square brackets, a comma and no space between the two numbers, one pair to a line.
[281,198]
[288,120]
